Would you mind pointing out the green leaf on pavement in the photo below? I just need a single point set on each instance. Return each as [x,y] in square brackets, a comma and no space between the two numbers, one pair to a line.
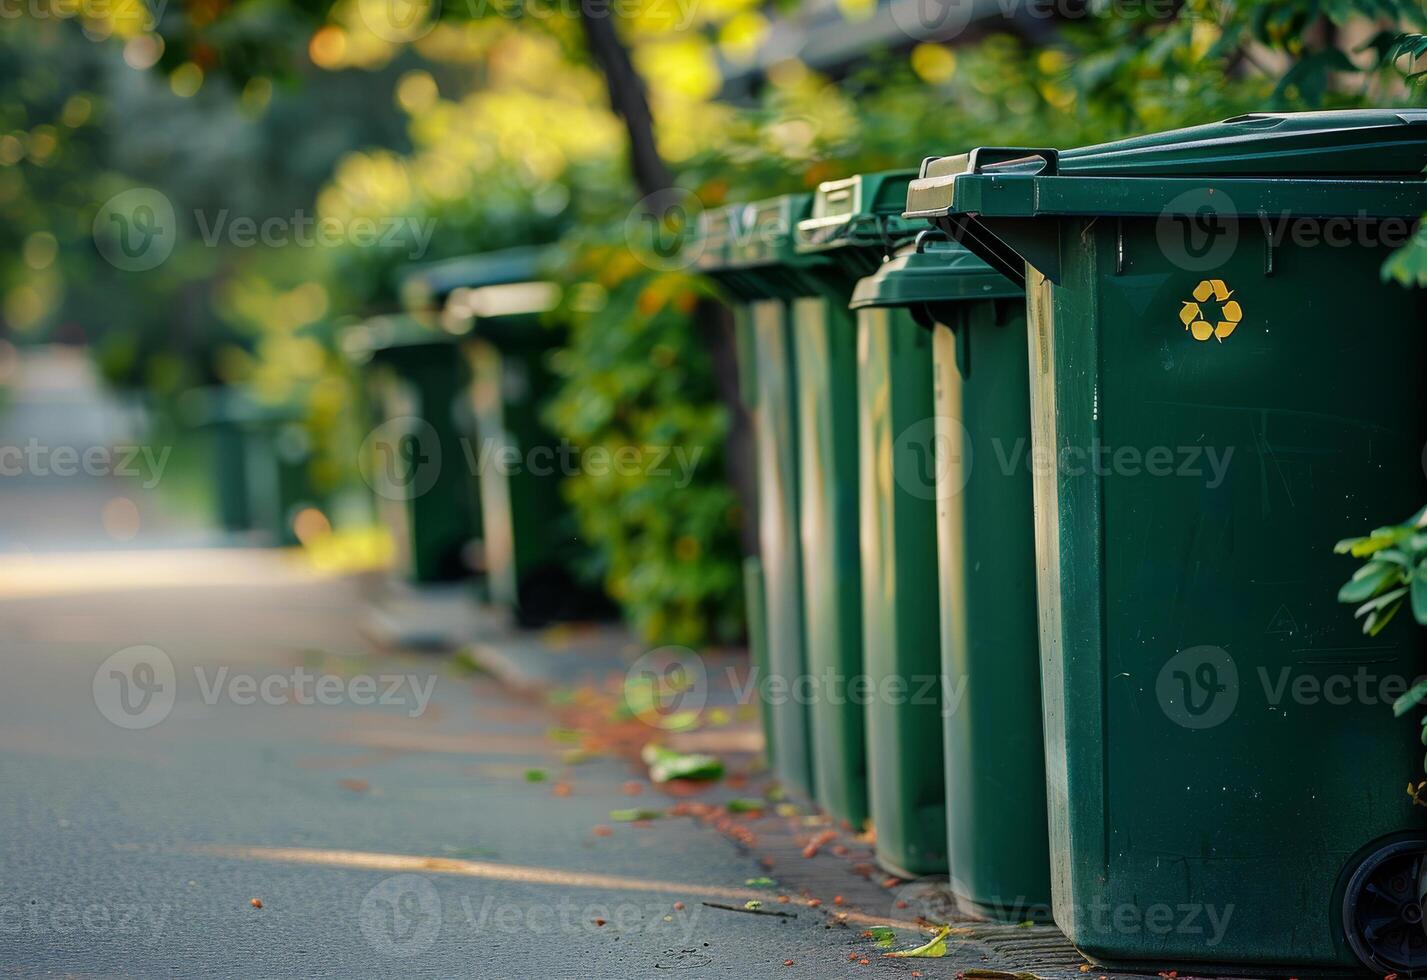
[628,816]
[883,936]
[931,949]
[666,764]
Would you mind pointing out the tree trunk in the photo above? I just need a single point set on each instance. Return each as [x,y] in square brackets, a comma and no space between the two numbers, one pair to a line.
[627,95]
[629,98]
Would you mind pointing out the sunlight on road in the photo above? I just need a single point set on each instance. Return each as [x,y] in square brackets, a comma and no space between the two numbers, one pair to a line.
[26,576]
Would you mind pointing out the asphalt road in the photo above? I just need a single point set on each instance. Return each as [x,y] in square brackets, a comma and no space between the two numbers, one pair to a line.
[185,730]
[397,836]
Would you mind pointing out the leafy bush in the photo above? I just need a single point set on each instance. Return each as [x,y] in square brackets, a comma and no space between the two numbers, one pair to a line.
[636,375]
[1395,573]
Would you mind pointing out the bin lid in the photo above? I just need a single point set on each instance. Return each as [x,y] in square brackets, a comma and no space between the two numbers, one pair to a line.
[1335,150]
[751,249]
[858,220]
[375,336]
[933,269]
[237,404]
[428,286]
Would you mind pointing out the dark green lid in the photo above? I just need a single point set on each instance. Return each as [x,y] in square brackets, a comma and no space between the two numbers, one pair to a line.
[1338,151]
[428,286]
[382,336]
[237,404]
[857,221]
[932,270]
[751,249]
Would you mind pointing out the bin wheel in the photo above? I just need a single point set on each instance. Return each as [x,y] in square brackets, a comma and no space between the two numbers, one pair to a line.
[1382,909]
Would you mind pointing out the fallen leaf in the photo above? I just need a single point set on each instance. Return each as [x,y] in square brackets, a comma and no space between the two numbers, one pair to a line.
[256,903]
[536,775]
[626,816]
[883,936]
[931,949]
[601,830]
[666,764]
[354,784]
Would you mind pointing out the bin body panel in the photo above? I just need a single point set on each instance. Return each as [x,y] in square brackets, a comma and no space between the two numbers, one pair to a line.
[1203,748]
[425,471]
[826,355]
[529,533]
[757,611]
[776,436]
[901,645]
[995,758]
[230,471]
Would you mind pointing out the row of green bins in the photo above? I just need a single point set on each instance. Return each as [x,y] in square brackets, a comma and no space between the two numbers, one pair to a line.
[533,551]
[749,251]
[864,534]
[417,383]
[1206,306]
[985,551]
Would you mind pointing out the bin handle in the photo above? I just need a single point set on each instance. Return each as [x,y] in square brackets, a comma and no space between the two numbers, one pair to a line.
[1038,163]
[929,235]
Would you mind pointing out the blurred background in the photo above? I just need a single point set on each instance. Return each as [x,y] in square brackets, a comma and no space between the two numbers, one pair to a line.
[199,200]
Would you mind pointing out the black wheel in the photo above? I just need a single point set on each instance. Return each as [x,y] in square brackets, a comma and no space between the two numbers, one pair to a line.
[1382,909]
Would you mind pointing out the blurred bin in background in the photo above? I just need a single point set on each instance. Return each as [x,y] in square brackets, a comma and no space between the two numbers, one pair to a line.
[417,466]
[533,552]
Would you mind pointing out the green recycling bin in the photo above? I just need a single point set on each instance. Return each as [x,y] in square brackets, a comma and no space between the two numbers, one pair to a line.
[979,478]
[749,251]
[261,457]
[278,468]
[900,637]
[415,461]
[844,238]
[533,551]
[218,410]
[1222,386]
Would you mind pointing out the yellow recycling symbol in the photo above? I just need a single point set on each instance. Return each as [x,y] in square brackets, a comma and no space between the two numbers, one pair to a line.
[1200,323]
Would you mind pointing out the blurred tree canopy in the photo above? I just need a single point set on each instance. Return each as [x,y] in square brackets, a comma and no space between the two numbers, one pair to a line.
[500,122]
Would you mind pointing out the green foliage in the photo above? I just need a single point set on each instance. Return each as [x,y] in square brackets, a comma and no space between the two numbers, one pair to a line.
[637,375]
[1394,573]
